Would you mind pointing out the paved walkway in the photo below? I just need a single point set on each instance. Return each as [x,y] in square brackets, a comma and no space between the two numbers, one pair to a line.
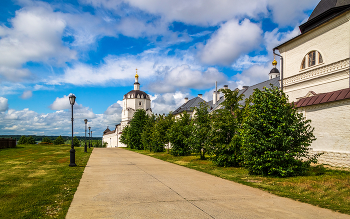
[122,184]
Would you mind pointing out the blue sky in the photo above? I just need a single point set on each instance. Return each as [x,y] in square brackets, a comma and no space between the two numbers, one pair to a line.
[49,49]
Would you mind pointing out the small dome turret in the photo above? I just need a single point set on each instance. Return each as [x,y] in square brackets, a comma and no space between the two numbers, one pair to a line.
[274,73]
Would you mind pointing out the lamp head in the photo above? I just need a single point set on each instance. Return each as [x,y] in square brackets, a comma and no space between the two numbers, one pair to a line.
[72,99]
[85,120]
[89,128]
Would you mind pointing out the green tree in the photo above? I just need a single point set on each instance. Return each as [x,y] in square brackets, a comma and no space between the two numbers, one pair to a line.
[137,124]
[146,135]
[46,140]
[76,141]
[201,127]
[22,140]
[124,137]
[225,139]
[159,133]
[178,134]
[31,140]
[275,137]
[58,140]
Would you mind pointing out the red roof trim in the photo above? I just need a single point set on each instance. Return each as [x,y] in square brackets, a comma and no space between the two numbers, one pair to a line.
[324,98]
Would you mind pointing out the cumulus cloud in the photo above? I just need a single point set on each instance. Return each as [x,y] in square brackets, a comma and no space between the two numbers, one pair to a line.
[208,12]
[184,78]
[35,35]
[3,104]
[164,103]
[230,41]
[27,94]
[290,12]
[118,69]
[115,108]
[213,12]
[62,103]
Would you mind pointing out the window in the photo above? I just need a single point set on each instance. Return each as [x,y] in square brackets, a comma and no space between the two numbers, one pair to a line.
[140,103]
[311,59]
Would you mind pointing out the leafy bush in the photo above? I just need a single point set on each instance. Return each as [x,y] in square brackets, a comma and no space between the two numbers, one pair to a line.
[275,136]
[58,140]
[135,129]
[178,134]
[31,140]
[225,139]
[201,127]
[22,140]
[76,142]
[146,135]
[46,140]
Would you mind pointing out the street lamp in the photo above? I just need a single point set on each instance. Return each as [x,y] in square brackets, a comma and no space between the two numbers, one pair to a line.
[89,138]
[72,151]
[85,147]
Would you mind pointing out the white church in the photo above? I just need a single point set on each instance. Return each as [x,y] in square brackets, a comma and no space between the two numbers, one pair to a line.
[132,101]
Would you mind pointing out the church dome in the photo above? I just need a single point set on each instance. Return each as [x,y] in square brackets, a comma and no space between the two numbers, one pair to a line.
[136,94]
[274,70]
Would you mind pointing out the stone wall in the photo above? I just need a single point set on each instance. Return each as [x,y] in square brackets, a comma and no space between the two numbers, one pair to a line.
[337,159]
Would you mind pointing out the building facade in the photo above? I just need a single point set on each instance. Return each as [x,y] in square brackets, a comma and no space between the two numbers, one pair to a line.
[316,77]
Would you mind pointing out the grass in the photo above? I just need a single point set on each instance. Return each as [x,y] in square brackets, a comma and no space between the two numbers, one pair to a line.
[36,181]
[323,187]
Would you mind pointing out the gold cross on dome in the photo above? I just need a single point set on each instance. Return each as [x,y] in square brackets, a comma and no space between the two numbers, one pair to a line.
[136,71]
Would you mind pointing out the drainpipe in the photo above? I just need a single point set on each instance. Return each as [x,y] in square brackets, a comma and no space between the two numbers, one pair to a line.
[281,67]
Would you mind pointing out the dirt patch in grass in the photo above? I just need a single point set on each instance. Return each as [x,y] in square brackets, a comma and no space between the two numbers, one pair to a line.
[37,173]
[63,160]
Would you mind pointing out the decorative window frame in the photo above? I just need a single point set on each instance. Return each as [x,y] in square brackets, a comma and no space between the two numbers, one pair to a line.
[305,62]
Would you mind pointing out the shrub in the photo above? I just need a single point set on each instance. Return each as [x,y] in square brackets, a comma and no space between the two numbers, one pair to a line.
[58,140]
[22,140]
[31,140]
[275,136]
[46,140]
[178,134]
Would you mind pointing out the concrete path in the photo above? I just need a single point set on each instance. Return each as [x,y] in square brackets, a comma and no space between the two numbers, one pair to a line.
[121,184]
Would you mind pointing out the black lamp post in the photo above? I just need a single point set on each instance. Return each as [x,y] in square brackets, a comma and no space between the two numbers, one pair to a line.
[72,151]
[85,147]
[89,138]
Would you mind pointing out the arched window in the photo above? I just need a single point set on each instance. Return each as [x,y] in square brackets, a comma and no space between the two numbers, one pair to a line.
[311,59]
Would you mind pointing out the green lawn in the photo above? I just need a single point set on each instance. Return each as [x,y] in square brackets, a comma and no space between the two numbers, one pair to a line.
[322,187]
[36,181]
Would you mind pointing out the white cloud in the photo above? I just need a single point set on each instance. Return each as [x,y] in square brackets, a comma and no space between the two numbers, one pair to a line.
[63,103]
[213,12]
[251,76]
[183,77]
[287,12]
[230,41]
[115,108]
[3,104]
[35,35]
[27,94]
[164,103]
[118,69]
[246,61]
[207,12]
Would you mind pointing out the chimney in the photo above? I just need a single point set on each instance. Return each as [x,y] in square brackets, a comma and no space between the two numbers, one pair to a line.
[225,87]
[200,95]
[186,99]
[214,97]
[217,96]
[245,87]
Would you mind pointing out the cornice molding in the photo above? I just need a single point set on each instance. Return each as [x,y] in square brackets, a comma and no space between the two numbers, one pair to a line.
[314,73]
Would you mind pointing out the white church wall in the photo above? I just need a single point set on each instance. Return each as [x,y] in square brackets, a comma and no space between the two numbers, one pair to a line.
[332,130]
[332,40]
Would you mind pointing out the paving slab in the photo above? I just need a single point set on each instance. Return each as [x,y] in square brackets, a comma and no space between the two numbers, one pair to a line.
[118,183]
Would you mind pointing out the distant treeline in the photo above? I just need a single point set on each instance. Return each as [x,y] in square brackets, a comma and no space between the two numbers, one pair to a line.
[40,137]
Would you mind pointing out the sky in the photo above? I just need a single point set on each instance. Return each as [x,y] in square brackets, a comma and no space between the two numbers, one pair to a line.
[91,48]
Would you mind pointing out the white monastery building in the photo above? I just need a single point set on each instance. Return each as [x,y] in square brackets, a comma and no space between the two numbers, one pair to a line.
[132,101]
